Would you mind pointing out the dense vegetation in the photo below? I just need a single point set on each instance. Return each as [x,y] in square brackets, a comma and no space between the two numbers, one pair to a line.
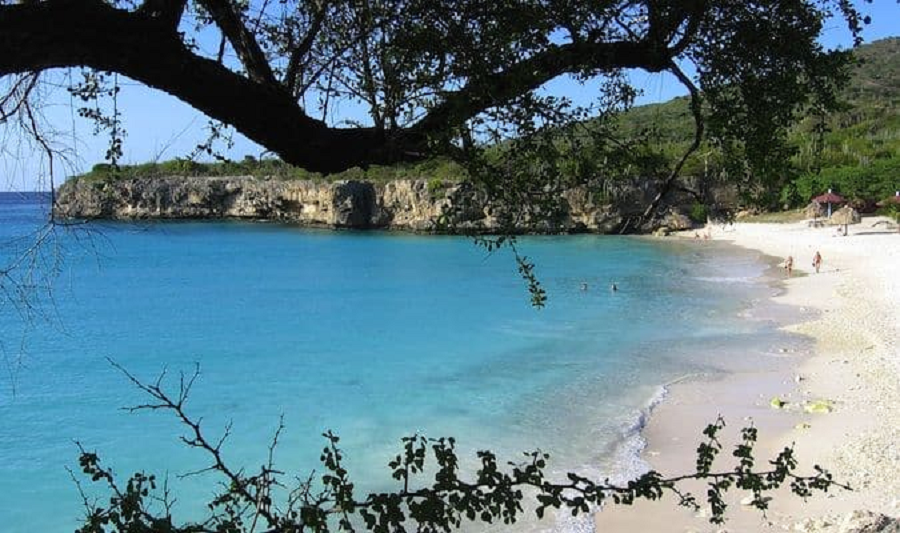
[855,151]
[271,168]
[860,153]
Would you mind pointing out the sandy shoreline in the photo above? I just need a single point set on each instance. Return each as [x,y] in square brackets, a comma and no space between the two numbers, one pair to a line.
[851,312]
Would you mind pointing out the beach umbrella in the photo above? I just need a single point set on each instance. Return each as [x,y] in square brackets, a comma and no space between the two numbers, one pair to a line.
[829,198]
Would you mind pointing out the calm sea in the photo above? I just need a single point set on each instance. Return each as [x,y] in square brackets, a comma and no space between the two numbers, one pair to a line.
[372,335]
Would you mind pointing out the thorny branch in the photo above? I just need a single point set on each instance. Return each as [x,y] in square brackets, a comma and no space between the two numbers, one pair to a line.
[32,260]
[243,487]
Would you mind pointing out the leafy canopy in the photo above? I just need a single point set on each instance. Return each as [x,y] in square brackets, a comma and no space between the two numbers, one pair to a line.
[441,77]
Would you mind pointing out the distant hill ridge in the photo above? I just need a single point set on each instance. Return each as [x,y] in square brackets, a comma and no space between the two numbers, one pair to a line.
[860,155]
[872,95]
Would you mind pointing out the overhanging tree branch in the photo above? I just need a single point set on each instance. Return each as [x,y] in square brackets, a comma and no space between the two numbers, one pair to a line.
[491,494]
[17,95]
[96,34]
[696,10]
[61,33]
[89,33]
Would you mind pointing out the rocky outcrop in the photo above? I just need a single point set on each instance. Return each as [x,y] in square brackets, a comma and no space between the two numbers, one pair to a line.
[845,215]
[814,210]
[416,205]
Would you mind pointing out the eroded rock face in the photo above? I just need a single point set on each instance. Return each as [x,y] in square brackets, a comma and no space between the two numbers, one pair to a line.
[814,210]
[400,204]
[845,215]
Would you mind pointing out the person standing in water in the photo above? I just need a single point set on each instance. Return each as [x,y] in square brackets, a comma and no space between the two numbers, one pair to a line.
[789,265]
[817,261]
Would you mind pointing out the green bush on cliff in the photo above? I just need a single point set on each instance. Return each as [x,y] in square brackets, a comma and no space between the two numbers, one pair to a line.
[857,153]
[267,168]
[435,185]
[698,213]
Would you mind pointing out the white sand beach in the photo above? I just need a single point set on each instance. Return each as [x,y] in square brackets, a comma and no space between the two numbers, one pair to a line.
[853,306]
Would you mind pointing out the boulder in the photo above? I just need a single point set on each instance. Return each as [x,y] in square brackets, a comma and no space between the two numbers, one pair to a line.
[814,210]
[675,221]
[845,215]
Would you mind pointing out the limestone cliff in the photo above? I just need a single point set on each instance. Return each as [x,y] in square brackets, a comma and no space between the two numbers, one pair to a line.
[400,204]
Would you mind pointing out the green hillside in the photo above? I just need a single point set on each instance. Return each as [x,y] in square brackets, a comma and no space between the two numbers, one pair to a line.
[860,152]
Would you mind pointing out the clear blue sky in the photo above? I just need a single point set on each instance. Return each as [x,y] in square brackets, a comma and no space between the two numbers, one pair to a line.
[161,127]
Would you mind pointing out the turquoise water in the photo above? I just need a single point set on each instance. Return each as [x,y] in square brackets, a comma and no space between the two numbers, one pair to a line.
[372,335]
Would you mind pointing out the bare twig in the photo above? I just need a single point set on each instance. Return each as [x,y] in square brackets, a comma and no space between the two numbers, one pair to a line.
[195,437]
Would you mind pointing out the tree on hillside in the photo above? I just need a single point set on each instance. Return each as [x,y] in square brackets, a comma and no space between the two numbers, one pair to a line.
[437,77]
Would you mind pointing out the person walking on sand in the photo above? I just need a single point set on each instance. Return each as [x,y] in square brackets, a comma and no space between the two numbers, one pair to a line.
[817,261]
[789,265]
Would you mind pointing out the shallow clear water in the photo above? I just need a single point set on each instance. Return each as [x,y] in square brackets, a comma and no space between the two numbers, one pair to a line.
[372,335]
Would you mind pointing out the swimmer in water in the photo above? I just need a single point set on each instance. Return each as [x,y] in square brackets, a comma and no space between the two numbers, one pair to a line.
[613,287]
